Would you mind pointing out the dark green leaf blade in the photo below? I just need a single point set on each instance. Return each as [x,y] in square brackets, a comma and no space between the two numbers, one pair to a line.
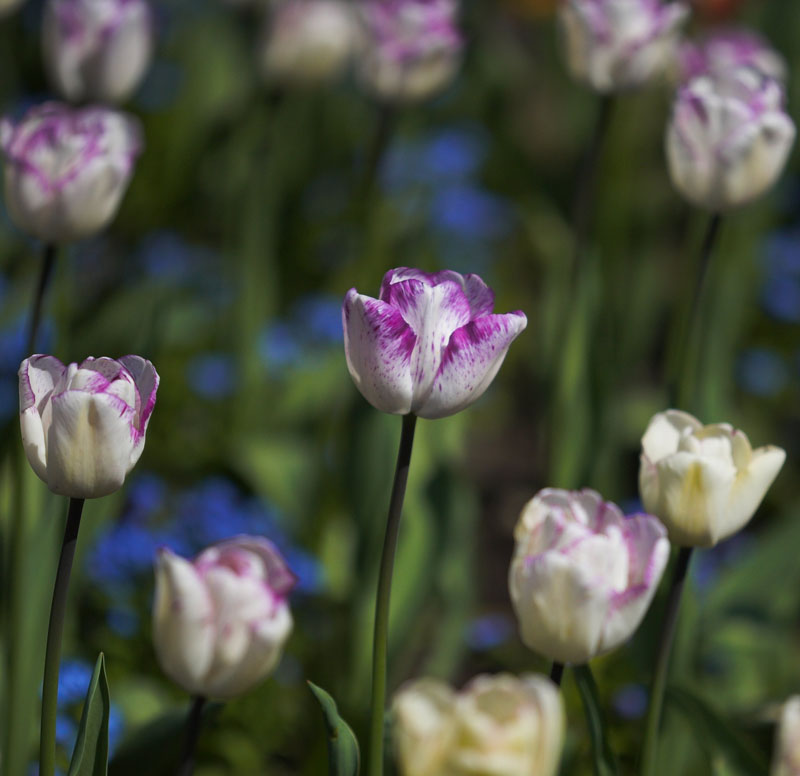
[90,757]
[605,764]
[344,756]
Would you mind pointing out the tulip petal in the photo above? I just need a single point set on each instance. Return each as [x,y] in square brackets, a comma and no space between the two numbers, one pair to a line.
[89,444]
[479,295]
[378,346]
[279,576]
[664,432]
[470,363]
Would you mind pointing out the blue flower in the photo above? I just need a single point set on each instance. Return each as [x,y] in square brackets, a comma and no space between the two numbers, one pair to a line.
[630,701]
[455,153]
[762,372]
[73,681]
[279,345]
[66,731]
[489,631]
[320,316]
[212,375]
[146,493]
[470,211]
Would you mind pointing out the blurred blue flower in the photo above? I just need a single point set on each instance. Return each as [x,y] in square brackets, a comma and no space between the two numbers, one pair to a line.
[455,153]
[73,681]
[781,298]
[780,294]
[146,493]
[212,375]
[630,701]
[278,345]
[66,731]
[321,317]
[123,551]
[489,631]
[470,211]
[116,727]
[308,570]
[762,372]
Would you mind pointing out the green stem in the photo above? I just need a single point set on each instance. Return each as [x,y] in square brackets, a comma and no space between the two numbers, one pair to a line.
[48,263]
[381,635]
[186,767]
[47,741]
[605,763]
[650,744]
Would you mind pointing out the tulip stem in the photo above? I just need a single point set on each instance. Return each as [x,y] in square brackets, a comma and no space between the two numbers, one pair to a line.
[381,634]
[47,740]
[557,673]
[193,720]
[668,626]
[48,263]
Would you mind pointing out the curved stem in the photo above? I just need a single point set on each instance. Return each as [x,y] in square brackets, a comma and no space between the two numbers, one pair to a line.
[193,720]
[557,673]
[381,634]
[48,263]
[47,740]
[649,746]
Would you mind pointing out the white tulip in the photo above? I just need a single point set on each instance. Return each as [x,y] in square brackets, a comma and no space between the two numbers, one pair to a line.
[703,482]
[786,760]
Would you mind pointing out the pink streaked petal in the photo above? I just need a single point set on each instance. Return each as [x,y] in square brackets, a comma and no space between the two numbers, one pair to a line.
[642,534]
[378,344]
[147,380]
[470,363]
[38,377]
[279,576]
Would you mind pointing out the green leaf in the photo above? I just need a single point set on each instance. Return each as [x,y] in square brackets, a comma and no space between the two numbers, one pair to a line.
[717,735]
[90,757]
[342,743]
[605,763]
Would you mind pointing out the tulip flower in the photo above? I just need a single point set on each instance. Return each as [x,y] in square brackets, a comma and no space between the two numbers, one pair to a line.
[728,139]
[429,345]
[615,45]
[703,482]
[309,41]
[220,621]
[722,52]
[495,725]
[97,49]
[583,575]
[67,169]
[83,425]
[411,48]
[786,760]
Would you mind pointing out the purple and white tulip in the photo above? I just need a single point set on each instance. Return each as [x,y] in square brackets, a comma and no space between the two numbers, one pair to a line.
[83,425]
[309,41]
[67,169]
[703,482]
[729,138]
[726,50]
[97,50]
[411,48]
[429,344]
[615,45]
[583,575]
[220,621]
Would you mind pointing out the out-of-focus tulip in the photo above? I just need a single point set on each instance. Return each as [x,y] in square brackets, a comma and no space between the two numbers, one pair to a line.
[66,170]
[8,6]
[614,45]
[786,760]
[309,41]
[726,50]
[582,575]
[728,139]
[496,725]
[703,482]
[411,49]
[429,345]
[83,425]
[97,50]
[220,621]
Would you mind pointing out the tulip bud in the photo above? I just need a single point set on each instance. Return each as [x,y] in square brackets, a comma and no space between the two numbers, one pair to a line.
[429,344]
[786,761]
[495,725]
[220,621]
[582,575]
[83,425]
[613,45]
[309,41]
[67,169]
[411,48]
[728,139]
[703,482]
[97,49]
[726,50]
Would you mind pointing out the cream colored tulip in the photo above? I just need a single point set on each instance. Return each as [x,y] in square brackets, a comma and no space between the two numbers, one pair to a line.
[703,482]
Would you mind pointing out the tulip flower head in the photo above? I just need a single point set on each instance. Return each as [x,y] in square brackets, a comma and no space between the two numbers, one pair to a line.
[83,425]
[429,345]
[97,50]
[728,139]
[615,45]
[220,621]
[583,575]
[309,41]
[703,482]
[786,760]
[66,169]
[496,725]
[411,48]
